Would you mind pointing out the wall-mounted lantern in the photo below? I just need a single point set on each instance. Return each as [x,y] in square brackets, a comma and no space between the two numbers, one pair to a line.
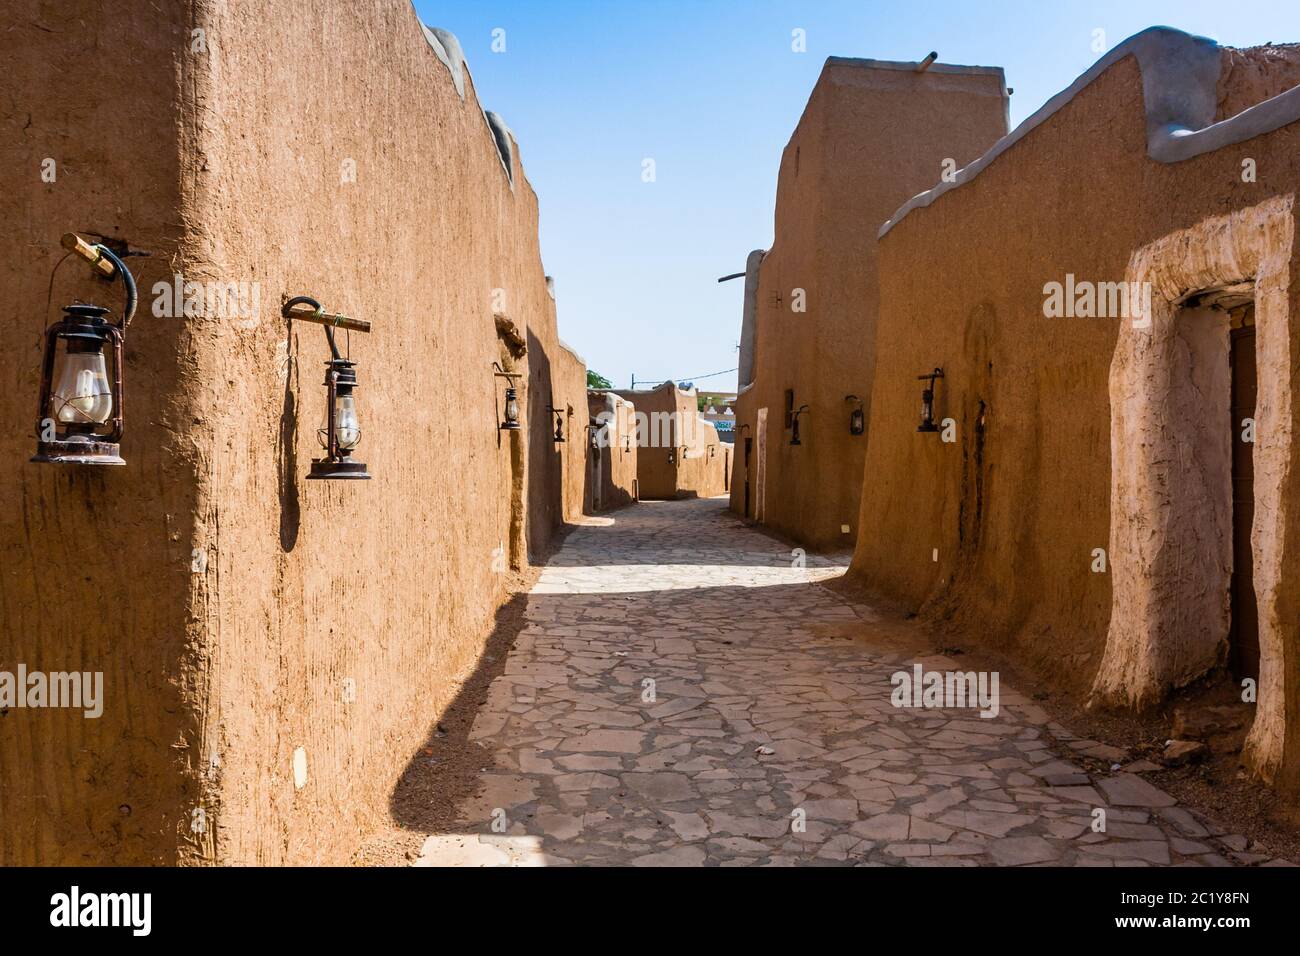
[713,450]
[79,415]
[593,437]
[340,432]
[672,455]
[510,416]
[927,401]
[559,424]
[857,420]
[794,425]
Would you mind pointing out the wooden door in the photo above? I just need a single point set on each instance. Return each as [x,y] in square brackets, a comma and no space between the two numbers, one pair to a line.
[1243,635]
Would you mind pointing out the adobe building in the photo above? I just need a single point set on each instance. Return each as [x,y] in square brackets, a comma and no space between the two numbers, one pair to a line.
[873,134]
[612,421]
[680,454]
[1109,293]
[273,649]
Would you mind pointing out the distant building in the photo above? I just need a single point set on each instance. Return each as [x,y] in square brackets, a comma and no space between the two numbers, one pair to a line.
[680,455]
[613,482]
[873,134]
[719,410]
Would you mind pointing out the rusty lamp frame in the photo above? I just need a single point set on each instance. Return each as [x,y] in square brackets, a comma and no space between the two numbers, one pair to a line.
[794,425]
[857,420]
[510,414]
[558,438]
[927,400]
[340,380]
[84,329]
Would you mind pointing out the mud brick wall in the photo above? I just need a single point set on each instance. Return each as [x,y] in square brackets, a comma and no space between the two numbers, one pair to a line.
[282,688]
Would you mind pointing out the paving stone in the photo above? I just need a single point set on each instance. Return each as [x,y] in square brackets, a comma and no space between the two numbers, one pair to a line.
[1150,851]
[747,826]
[660,787]
[558,826]
[842,810]
[1066,779]
[605,741]
[687,855]
[687,826]
[672,708]
[1017,851]
[981,821]
[1129,790]
[886,826]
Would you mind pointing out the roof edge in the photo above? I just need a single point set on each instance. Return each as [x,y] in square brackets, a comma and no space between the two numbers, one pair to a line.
[910,66]
[446,47]
[1180,74]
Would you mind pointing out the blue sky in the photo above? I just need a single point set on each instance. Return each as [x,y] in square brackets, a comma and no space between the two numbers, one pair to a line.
[711,90]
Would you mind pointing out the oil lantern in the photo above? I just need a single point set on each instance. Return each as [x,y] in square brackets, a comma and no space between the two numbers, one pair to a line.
[340,431]
[79,412]
[857,420]
[559,423]
[794,425]
[510,414]
[927,401]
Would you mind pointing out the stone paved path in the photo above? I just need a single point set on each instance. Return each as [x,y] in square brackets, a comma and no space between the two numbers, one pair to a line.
[770,737]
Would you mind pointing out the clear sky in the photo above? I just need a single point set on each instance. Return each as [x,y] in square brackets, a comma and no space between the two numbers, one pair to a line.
[710,90]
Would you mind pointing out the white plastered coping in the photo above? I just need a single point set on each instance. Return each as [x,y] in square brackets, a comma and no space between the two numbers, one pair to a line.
[1180,75]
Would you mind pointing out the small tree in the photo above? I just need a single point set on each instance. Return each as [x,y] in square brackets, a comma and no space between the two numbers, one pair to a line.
[596,380]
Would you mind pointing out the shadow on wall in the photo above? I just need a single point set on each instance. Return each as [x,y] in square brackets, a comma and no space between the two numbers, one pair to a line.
[545,466]
[286,455]
[445,769]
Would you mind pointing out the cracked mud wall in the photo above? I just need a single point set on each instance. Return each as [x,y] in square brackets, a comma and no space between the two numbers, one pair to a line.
[95,562]
[962,287]
[871,136]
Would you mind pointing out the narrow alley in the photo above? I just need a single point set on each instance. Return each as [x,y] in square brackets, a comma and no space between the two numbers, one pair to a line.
[684,693]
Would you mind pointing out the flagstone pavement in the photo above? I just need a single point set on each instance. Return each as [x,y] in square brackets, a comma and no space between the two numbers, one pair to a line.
[685,693]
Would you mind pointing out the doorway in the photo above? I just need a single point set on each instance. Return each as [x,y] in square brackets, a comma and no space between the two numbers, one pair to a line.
[1198,523]
[749,450]
[1243,634]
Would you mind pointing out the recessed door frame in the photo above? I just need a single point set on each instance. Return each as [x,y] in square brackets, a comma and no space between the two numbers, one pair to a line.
[1170,503]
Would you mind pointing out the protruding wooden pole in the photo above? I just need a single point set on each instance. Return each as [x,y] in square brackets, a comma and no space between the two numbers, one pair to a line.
[74,243]
[333,319]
